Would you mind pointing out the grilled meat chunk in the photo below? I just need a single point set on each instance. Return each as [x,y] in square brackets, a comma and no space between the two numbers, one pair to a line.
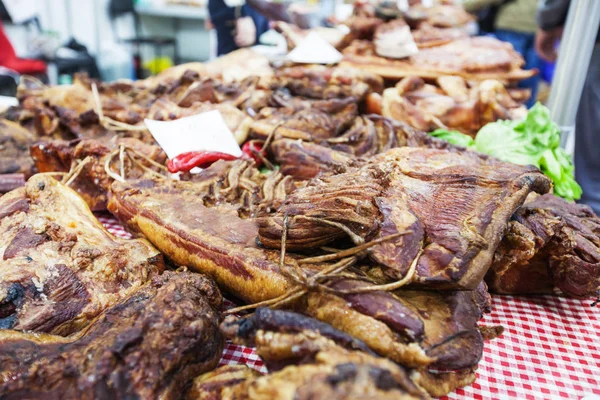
[59,267]
[148,345]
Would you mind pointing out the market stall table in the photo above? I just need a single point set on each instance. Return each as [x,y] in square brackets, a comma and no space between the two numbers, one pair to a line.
[549,349]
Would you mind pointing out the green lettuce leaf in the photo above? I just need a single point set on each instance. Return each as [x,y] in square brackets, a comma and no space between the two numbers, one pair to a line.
[532,141]
[535,141]
[454,137]
[500,139]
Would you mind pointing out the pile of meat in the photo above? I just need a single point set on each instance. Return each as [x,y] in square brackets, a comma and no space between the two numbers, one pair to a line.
[452,103]
[364,255]
[441,34]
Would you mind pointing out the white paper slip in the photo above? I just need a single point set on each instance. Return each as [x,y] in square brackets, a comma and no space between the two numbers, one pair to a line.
[313,49]
[205,131]
[6,102]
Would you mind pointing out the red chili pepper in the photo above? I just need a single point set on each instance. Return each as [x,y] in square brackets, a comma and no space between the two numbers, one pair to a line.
[186,161]
[251,149]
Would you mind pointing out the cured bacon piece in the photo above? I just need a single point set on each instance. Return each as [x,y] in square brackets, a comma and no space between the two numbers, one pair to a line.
[183,220]
[550,244]
[59,267]
[452,205]
[308,359]
[444,324]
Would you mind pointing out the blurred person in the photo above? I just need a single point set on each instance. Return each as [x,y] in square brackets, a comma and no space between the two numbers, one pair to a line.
[240,23]
[512,21]
[551,18]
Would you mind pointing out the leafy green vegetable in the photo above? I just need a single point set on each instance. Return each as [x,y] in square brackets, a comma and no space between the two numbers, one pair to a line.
[534,140]
[266,171]
[454,137]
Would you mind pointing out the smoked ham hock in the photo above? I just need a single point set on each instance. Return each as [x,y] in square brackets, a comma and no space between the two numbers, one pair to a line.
[149,345]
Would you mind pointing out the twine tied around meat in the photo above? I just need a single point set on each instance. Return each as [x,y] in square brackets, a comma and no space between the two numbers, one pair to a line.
[108,122]
[303,284]
[124,152]
[136,158]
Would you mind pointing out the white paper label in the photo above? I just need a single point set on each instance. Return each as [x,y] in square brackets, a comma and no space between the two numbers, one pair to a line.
[313,49]
[205,131]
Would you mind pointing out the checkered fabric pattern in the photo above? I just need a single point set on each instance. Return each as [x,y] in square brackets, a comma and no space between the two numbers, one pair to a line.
[550,348]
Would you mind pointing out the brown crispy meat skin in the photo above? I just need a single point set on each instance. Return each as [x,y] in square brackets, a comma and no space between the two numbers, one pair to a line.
[59,267]
[149,345]
[550,243]
[312,361]
[452,205]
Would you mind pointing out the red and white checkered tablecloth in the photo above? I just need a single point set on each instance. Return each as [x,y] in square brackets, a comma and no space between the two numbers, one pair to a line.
[550,348]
